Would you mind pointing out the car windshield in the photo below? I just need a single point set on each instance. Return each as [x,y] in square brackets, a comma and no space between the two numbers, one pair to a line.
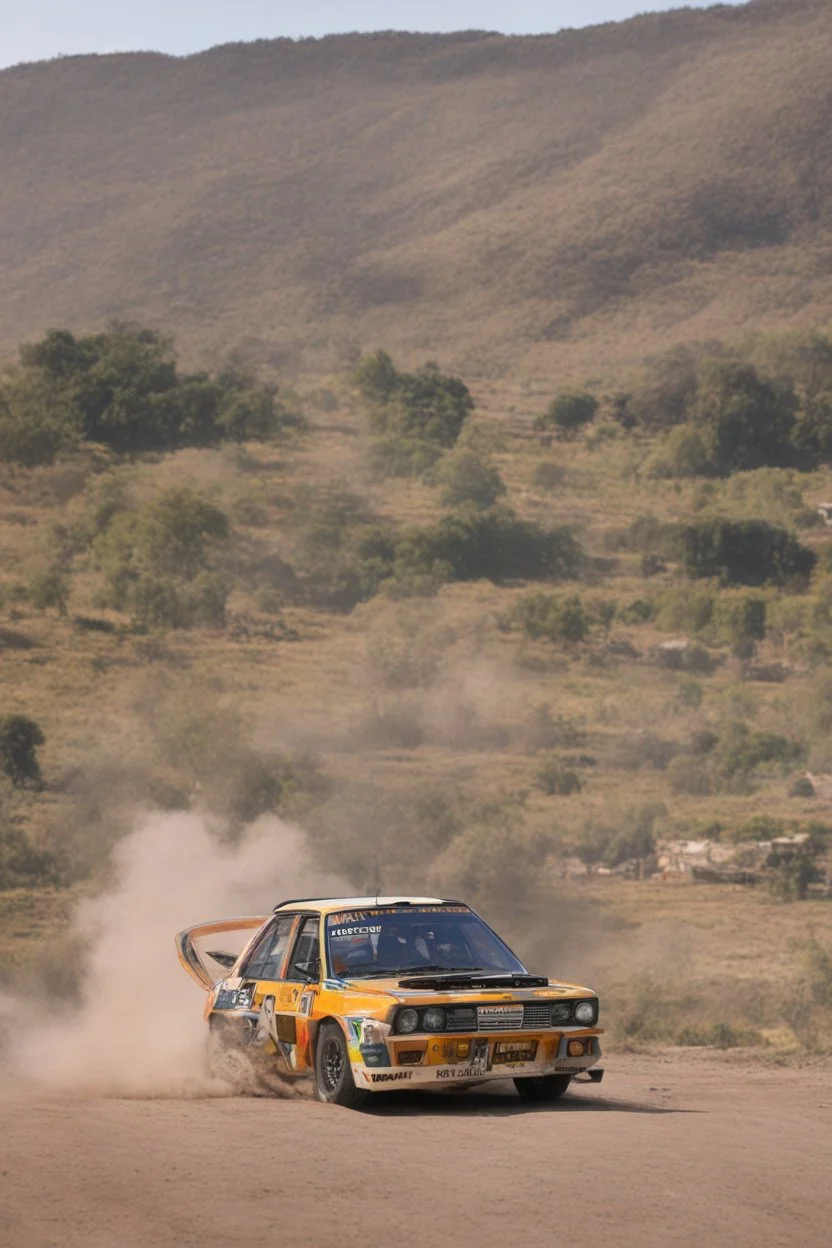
[371,943]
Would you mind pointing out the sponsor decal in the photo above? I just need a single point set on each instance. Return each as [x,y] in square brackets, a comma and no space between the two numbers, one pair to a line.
[393,1076]
[562,1069]
[367,916]
[370,929]
[305,1007]
[460,1072]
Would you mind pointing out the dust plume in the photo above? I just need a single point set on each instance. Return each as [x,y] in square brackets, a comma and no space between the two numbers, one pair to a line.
[139,1030]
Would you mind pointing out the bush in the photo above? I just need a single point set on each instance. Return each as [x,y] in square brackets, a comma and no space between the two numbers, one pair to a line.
[426,404]
[50,588]
[494,545]
[122,388]
[746,419]
[20,738]
[567,413]
[683,454]
[466,479]
[158,561]
[746,552]
[555,780]
[37,421]
[741,751]
[560,620]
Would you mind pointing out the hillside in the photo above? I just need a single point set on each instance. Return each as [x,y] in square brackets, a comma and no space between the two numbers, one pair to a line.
[514,205]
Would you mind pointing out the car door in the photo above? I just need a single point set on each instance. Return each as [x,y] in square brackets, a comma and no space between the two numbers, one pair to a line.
[285,1002]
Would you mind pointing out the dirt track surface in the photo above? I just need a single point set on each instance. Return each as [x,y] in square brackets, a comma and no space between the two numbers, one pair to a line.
[679,1150]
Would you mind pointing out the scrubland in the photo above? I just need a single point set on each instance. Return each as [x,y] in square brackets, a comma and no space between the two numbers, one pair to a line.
[512,732]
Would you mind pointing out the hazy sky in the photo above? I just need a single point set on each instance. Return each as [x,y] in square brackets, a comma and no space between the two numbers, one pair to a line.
[33,30]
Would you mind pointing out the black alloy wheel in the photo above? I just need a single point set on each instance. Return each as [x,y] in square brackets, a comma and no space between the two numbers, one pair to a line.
[333,1074]
[544,1088]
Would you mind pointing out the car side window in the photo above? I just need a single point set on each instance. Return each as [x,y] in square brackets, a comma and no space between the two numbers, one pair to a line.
[266,958]
[306,956]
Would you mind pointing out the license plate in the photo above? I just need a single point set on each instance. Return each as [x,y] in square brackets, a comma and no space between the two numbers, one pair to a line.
[506,1051]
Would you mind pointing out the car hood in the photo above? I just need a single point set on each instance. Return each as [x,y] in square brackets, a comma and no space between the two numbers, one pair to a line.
[413,988]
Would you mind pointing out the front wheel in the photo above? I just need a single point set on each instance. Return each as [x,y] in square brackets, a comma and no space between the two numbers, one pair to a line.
[544,1088]
[333,1074]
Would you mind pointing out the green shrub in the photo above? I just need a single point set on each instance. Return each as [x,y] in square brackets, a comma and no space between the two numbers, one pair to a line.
[684,453]
[747,420]
[741,751]
[468,479]
[493,545]
[561,620]
[555,780]
[665,394]
[567,413]
[20,738]
[159,561]
[122,388]
[426,404]
[37,421]
[50,588]
[747,552]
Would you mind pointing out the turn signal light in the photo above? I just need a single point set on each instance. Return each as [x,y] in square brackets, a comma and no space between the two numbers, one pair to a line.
[576,1048]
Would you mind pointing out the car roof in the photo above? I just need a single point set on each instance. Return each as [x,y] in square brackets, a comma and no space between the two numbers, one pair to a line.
[326,905]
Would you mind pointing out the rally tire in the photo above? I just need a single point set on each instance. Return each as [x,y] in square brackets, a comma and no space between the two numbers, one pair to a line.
[334,1082]
[543,1089]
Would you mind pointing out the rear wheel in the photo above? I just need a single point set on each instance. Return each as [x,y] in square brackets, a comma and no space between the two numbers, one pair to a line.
[544,1088]
[333,1074]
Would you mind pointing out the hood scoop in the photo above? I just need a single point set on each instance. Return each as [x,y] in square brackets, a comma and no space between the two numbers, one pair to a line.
[473,979]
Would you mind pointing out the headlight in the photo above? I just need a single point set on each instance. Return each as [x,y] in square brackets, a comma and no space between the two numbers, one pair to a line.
[433,1019]
[561,1012]
[407,1021]
[585,1012]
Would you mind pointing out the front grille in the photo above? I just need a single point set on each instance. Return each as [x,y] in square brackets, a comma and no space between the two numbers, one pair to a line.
[528,1016]
[462,1018]
[537,1014]
[499,1018]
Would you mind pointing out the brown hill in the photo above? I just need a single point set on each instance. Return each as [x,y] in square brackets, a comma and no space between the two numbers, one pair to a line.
[514,204]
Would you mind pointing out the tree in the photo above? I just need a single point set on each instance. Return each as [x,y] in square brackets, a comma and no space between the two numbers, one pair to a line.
[743,552]
[467,478]
[567,413]
[20,738]
[426,404]
[746,419]
[38,421]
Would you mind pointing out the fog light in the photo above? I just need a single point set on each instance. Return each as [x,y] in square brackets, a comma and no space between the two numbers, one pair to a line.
[410,1057]
[576,1048]
[463,1048]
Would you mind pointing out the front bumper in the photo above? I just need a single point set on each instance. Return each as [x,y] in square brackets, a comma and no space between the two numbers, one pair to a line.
[446,1061]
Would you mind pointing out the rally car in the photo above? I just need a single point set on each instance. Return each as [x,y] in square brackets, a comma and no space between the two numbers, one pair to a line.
[374,994]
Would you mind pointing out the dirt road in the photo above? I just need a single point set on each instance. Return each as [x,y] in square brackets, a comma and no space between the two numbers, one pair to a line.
[685,1149]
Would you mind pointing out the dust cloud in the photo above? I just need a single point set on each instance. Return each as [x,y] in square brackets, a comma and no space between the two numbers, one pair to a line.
[138,1029]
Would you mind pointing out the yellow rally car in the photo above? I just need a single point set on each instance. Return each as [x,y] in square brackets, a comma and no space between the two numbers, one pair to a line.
[373,994]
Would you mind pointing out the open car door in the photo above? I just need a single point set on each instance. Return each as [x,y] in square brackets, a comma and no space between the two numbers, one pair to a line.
[193,959]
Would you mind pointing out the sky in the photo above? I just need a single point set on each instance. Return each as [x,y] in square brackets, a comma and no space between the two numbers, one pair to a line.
[32,30]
